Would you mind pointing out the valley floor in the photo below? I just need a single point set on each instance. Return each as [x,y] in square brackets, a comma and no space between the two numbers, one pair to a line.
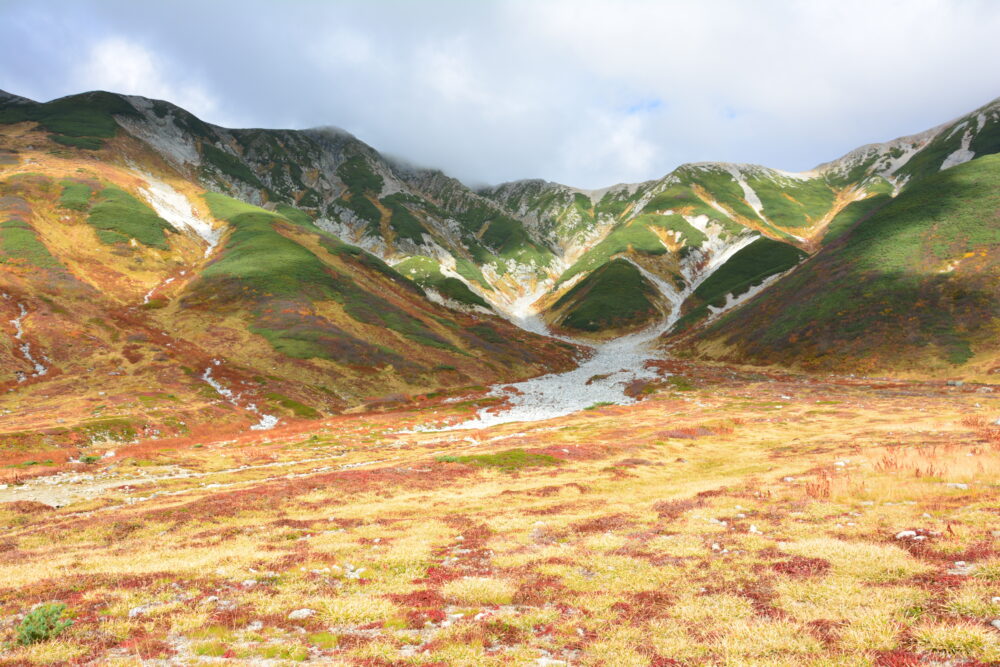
[729,517]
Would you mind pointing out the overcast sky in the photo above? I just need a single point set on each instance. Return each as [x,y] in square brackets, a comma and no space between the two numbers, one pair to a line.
[587,93]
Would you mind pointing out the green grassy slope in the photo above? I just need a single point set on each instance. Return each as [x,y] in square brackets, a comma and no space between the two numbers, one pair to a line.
[914,284]
[615,296]
[748,267]
[426,272]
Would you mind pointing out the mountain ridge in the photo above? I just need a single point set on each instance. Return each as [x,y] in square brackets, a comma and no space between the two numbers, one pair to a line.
[707,240]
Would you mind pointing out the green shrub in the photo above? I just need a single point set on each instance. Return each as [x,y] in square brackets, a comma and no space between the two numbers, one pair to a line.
[42,624]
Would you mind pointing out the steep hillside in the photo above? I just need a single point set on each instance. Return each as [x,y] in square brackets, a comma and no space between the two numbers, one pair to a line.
[320,274]
[616,297]
[907,283]
[135,300]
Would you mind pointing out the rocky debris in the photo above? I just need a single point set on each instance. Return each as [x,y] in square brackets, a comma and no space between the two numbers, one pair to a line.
[962,568]
[955,383]
[916,535]
[957,485]
[301,614]
[140,610]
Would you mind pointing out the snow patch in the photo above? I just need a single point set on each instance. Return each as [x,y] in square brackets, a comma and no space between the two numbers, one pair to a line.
[732,301]
[962,155]
[748,193]
[176,209]
[149,294]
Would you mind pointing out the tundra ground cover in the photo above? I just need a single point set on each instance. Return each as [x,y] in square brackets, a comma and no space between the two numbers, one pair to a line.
[750,519]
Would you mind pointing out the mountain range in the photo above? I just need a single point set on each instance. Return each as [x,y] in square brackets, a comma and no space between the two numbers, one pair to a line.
[196,275]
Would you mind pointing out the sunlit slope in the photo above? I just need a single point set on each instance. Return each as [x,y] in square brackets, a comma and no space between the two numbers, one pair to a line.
[912,286]
[122,281]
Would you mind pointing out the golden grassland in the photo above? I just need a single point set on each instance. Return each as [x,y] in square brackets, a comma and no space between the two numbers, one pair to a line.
[753,519]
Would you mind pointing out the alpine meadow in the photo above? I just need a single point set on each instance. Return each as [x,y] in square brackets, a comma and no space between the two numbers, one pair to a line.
[274,396]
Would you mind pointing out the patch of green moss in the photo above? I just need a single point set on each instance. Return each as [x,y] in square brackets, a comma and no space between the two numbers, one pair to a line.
[296,408]
[75,195]
[120,217]
[508,461]
[19,241]
[426,272]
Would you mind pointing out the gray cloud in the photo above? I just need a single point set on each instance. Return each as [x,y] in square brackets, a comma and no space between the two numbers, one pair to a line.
[583,92]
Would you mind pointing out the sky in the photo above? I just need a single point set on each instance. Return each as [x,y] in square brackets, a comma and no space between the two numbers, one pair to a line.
[583,92]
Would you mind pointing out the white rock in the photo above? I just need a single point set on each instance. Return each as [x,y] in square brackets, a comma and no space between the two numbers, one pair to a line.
[139,611]
[958,485]
[755,530]
[301,614]
[995,623]
[256,626]
[903,534]
[788,479]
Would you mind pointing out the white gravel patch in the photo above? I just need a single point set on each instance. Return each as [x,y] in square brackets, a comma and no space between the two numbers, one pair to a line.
[175,208]
[604,377]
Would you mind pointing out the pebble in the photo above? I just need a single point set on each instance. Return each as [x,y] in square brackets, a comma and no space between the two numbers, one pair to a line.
[957,485]
[961,568]
[139,611]
[996,623]
[301,614]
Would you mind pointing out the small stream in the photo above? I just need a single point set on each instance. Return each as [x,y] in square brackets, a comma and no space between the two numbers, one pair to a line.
[603,378]
[25,347]
[606,375]
[266,422]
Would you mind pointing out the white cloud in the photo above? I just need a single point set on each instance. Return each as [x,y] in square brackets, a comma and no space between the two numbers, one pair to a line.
[123,66]
[504,89]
